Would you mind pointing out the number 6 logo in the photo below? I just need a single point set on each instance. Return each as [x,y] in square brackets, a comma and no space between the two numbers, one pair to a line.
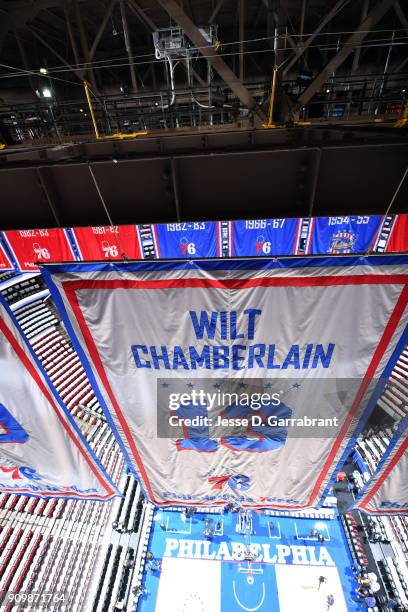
[13,430]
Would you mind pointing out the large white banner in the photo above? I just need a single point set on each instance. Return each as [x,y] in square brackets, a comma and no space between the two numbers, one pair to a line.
[387,490]
[42,452]
[312,335]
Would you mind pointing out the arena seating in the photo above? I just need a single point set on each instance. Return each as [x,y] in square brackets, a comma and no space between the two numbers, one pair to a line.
[54,544]
[394,398]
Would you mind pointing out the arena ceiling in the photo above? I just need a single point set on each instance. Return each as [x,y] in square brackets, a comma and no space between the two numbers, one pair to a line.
[236,169]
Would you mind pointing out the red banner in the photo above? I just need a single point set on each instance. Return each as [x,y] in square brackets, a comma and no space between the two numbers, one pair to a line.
[38,245]
[5,263]
[100,243]
[398,242]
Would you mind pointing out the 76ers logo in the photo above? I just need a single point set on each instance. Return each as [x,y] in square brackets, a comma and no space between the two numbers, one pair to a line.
[40,252]
[109,250]
[187,248]
[262,246]
[19,472]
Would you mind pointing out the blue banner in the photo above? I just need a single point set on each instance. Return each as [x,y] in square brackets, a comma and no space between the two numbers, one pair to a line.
[264,237]
[342,235]
[195,239]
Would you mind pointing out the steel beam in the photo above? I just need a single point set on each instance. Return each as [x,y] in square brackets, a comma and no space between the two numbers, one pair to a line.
[72,38]
[215,12]
[224,71]
[102,27]
[302,19]
[355,39]
[84,44]
[241,27]
[400,66]
[128,46]
[54,52]
[280,14]
[302,46]
[401,16]
[274,14]
[135,8]
[356,58]
[25,11]
[5,25]
[24,58]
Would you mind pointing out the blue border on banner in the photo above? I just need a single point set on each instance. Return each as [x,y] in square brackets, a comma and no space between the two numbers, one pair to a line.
[368,410]
[402,427]
[69,416]
[88,370]
[69,235]
[244,263]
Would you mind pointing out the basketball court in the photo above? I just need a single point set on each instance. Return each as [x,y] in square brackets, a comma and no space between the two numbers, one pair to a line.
[214,574]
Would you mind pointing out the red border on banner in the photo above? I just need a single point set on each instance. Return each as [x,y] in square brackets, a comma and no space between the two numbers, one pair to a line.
[15,242]
[370,494]
[21,355]
[71,287]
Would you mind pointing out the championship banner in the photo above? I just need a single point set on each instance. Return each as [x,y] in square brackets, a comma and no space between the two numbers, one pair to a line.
[398,241]
[175,240]
[243,381]
[5,263]
[31,246]
[264,237]
[107,242]
[387,490]
[343,235]
[42,451]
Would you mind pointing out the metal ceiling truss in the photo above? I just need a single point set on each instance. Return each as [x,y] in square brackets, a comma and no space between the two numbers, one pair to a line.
[373,17]
[20,14]
[224,71]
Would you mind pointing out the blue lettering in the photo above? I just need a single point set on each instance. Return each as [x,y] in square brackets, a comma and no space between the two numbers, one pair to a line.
[252,313]
[197,359]
[233,325]
[179,359]
[325,358]
[271,358]
[135,350]
[308,354]
[256,351]
[236,357]
[157,357]
[292,358]
[221,360]
[204,326]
